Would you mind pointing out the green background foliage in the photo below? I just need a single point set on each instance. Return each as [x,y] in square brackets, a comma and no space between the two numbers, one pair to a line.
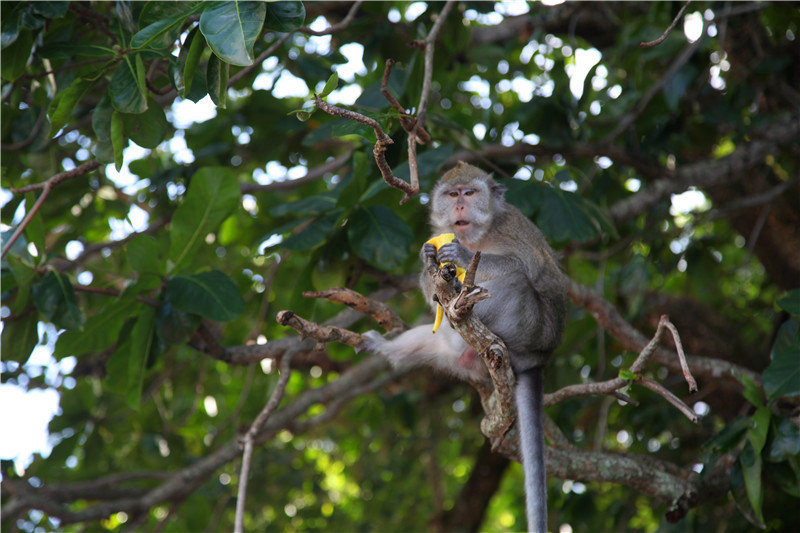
[147,327]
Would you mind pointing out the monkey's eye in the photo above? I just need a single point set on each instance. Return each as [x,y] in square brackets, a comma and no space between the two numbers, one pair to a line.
[452,194]
[469,192]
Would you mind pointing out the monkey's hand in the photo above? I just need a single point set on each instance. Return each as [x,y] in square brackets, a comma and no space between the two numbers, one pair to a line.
[454,252]
[428,254]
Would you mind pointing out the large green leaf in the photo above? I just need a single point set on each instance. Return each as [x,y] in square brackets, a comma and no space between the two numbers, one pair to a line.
[231,29]
[20,337]
[100,332]
[790,302]
[117,138]
[174,326]
[566,216]
[161,22]
[51,10]
[782,376]
[311,205]
[210,294]
[213,194]
[217,81]
[379,236]
[144,255]
[127,89]
[146,129]
[785,442]
[188,59]
[315,233]
[101,118]
[15,57]
[55,299]
[142,343]
[64,102]
[285,16]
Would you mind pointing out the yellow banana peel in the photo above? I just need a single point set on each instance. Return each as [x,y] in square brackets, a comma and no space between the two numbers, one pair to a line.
[438,241]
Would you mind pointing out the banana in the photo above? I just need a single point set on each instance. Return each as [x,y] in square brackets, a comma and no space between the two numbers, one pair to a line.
[438,241]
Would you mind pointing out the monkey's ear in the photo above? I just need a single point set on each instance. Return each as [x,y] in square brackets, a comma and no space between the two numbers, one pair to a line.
[498,190]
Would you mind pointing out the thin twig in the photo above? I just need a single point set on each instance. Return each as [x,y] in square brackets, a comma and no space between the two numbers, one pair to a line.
[671,398]
[430,44]
[46,187]
[676,65]
[668,30]
[260,59]
[252,432]
[687,374]
[345,22]
[379,149]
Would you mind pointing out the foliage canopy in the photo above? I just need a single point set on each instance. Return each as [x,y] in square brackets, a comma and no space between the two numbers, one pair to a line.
[150,255]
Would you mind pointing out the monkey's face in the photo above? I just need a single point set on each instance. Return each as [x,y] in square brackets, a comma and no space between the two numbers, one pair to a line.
[462,209]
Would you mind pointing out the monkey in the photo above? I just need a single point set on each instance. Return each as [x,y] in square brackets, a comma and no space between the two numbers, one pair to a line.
[527,308]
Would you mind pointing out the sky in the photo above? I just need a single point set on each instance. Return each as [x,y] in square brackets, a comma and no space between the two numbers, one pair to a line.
[26,414]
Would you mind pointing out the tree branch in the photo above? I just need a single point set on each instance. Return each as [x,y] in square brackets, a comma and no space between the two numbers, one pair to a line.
[45,187]
[669,28]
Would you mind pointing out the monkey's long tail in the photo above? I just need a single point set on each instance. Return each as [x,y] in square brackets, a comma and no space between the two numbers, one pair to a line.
[530,395]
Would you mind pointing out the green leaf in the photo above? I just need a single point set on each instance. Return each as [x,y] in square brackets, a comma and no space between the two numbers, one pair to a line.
[759,428]
[20,337]
[144,255]
[566,216]
[163,28]
[790,302]
[14,58]
[9,31]
[231,28]
[100,332]
[316,233]
[782,376]
[163,22]
[210,294]
[55,299]
[213,194]
[142,343]
[752,392]
[217,81]
[189,57]
[303,114]
[627,375]
[676,86]
[117,138]
[310,205]
[101,118]
[379,236]
[51,10]
[285,16]
[753,486]
[173,326]
[35,230]
[127,88]
[786,442]
[330,85]
[60,111]
[147,129]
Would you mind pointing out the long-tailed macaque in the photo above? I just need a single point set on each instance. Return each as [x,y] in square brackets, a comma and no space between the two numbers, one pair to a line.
[527,308]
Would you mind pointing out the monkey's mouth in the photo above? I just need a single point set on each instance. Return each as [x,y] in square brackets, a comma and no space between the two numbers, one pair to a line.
[462,223]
